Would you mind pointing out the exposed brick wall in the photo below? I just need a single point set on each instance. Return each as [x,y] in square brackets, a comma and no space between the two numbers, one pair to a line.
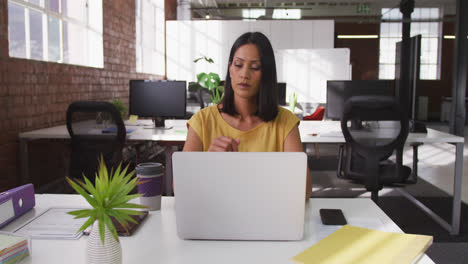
[36,94]
[170,8]
[364,52]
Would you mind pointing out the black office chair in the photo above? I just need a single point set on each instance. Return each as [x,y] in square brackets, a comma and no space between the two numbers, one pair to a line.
[95,128]
[374,127]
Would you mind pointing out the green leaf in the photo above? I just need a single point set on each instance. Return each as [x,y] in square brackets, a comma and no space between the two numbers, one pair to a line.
[209,81]
[127,219]
[122,219]
[117,217]
[129,212]
[88,222]
[133,206]
[92,190]
[111,227]
[209,60]
[125,197]
[215,77]
[102,232]
[202,79]
[81,213]
[78,189]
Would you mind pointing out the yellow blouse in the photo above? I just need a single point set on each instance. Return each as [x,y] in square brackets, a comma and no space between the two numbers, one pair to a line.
[267,136]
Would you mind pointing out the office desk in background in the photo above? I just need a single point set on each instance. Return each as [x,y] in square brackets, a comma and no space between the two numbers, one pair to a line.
[330,132]
[311,132]
[143,132]
[156,240]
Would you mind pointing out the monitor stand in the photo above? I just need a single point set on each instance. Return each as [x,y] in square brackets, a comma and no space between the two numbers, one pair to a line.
[159,124]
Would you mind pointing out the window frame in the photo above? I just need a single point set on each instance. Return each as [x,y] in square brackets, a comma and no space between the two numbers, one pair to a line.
[438,35]
[44,9]
[247,13]
[140,47]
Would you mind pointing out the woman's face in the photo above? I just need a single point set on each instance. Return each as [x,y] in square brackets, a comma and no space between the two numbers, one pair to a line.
[246,71]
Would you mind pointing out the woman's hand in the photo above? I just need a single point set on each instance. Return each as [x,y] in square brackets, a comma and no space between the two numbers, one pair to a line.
[224,144]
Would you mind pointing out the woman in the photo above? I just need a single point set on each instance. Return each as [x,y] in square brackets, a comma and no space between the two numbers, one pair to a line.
[248,119]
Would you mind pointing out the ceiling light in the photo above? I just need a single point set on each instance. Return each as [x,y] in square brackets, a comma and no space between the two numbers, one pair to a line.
[451,37]
[207,16]
[358,36]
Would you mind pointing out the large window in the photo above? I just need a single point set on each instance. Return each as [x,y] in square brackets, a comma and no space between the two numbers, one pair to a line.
[287,14]
[150,46]
[64,31]
[390,34]
[252,14]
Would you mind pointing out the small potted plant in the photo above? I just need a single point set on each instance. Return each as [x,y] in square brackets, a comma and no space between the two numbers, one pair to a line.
[209,81]
[109,198]
[292,102]
[121,107]
[105,118]
[292,105]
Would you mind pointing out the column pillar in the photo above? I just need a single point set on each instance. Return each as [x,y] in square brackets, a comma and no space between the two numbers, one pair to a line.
[406,8]
[458,111]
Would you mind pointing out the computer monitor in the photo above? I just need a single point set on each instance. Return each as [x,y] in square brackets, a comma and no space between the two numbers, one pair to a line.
[406,87]
[281,93]
[339,91]
[158,99]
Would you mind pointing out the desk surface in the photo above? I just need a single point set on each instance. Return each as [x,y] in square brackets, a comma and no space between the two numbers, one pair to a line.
[156,240]
[311,132]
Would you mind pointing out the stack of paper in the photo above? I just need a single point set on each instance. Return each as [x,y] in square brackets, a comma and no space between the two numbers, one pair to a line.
[54,223]
[12,249]
[351,244]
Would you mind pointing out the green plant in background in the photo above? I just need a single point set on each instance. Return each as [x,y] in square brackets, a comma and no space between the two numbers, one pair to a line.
[121,107]
[109,197]
[292,102]
[210,81]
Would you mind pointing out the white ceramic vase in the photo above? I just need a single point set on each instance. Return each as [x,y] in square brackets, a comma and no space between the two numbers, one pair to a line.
[97,253]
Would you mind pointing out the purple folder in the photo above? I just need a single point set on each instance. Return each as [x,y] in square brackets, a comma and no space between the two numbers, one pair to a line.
[15,202]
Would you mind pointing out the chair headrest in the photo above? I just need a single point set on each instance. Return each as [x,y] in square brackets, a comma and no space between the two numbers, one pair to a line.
[374,108]
[95,107]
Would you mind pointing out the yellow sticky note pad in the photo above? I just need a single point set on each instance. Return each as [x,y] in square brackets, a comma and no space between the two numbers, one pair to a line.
[132,118]
[356,245]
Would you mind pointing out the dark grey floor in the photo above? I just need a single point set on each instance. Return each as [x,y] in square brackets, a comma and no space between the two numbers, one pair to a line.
[449,253]
[326,184]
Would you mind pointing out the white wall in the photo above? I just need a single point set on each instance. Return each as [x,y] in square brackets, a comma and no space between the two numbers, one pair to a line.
[306,71]
[188,40]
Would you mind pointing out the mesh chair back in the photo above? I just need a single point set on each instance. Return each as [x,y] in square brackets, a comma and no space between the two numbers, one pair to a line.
[374,128]
[381,125]
[95,128]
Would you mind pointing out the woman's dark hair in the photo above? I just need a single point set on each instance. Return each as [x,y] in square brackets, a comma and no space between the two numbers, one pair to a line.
[267,97]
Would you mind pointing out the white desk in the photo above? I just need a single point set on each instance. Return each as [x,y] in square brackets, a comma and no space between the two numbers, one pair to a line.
[156,241]
[311,132]
[330,132]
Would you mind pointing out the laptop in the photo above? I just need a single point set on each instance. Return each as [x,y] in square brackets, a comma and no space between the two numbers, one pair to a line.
[240,195]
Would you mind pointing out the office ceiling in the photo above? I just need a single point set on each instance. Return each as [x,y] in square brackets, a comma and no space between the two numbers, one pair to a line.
[310,8]
[305,4]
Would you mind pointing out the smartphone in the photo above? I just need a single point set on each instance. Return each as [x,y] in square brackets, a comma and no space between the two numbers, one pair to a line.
[332,217]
